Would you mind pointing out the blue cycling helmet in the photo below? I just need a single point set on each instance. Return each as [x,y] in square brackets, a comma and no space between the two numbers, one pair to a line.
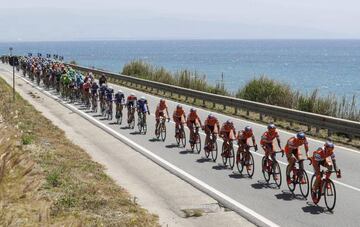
[192,110]
[300,135]
[210,116]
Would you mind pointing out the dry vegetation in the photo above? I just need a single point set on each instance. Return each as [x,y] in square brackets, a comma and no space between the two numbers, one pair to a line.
[41,183]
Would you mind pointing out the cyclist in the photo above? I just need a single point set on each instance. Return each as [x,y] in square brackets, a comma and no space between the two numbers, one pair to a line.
[323,156]
[142,107]
[267,139]
[102,80]
[211,126]
[109,98]
[119,101]
[242,138]
[228,132]
[94,90]
[293,153]
[86,89]
[179,118]
[161,111]
[130,103]
[193,120]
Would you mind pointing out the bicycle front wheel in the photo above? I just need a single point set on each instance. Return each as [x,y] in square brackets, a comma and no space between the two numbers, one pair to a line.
[304,186]
[276,172]
[214,151]
[329,194]
[224,154]
[163,132]
[231,157]
[198,143]
[249,163]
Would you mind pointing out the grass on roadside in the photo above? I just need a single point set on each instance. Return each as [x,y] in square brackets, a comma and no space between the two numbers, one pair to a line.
[41,183]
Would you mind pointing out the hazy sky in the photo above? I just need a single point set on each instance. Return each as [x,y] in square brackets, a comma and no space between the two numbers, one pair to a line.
[185,19]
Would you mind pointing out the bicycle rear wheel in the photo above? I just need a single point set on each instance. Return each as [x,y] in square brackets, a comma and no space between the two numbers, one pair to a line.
[304,187]
[250,165]
[329,194]
[292,185]
[239,161]
[317,197]
[276,172]
[265,169]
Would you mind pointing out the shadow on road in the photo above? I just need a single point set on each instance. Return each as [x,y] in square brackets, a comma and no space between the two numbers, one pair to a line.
[154,140]
[113,123]
[263,184]
[220,167]
[314,209]
[97,115]
[288,196]
[172,146]
[203,159]
[237,176]
[186,152]
[103,119]
[135,133]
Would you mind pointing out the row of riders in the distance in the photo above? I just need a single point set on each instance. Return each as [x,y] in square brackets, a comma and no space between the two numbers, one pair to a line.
[74,86]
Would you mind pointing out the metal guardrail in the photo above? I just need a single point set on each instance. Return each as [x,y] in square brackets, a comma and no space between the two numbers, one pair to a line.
[333,125]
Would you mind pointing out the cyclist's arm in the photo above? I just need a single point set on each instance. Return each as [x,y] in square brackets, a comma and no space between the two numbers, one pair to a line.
[278,142]
[253,140]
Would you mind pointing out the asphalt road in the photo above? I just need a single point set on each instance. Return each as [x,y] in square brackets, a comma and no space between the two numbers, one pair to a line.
[279,205]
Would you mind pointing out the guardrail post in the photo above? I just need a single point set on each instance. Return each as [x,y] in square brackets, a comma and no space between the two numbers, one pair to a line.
[317,130]
[203,104]
[261,116]
[247,112]
[329,132]
[309,128]
[236,110]
[291,123]
[224,107]
[214,105]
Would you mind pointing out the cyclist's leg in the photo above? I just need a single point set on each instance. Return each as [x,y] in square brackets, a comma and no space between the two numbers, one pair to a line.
[316,166]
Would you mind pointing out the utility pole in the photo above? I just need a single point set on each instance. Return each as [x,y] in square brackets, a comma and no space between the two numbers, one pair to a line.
[11,49]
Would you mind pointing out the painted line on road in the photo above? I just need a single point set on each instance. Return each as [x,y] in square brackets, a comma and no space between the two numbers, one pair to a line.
[221,197]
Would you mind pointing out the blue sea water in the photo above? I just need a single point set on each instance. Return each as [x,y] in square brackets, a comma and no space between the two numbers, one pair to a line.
[333,66]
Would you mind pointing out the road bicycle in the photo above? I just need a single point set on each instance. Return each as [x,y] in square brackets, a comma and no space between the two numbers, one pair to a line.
[227,153]
[272,168]
[161,129]
[131,119]
[180,135]
[118,113]
[211,147]
[195,141]
[326,189]
[142,123]
[244,158]
[109,110]
[298,176]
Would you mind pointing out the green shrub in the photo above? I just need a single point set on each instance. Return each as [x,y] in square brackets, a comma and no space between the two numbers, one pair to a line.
[53,178]
[27,139]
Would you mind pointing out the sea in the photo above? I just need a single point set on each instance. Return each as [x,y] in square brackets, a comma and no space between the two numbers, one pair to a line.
[332,66]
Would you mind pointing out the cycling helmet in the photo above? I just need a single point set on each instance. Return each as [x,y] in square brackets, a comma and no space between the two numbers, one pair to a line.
[271,127]
[211,116]
[229,122]
[132,94]
[329,145]
[178,106]
[162,100]
[120,91]
[300,135]
[248,129]
[103,86]
[192,110]
[143,98]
